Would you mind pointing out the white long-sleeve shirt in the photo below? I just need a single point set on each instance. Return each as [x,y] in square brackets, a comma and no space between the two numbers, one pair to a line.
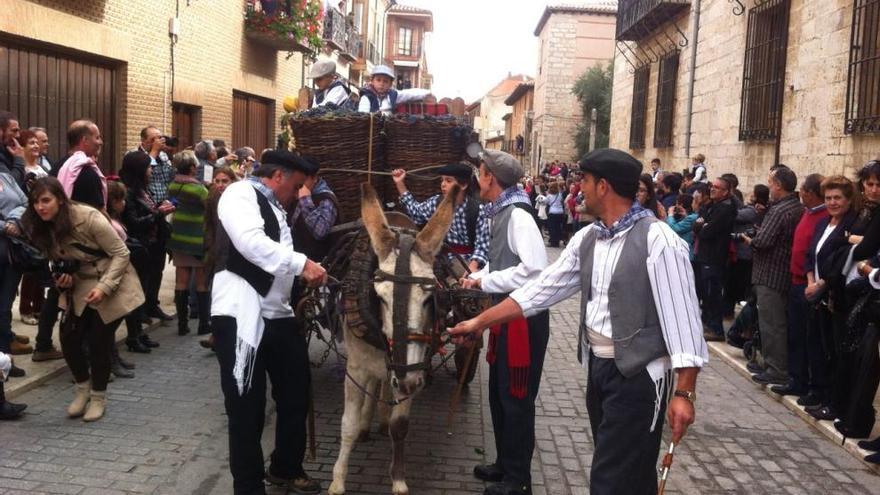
[526,242]
[336,96]
[403,96]
[672,285]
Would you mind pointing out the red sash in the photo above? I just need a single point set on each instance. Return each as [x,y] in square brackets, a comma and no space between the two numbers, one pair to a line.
[518,360]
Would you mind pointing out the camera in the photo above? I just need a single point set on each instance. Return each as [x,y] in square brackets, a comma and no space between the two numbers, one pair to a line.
[171,141]
[64,267]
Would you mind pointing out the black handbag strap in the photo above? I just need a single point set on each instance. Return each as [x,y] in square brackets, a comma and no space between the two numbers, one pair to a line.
[98,253]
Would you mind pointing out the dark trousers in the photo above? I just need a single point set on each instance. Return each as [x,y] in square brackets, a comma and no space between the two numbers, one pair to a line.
[284,356]
[155,265]
[713,299]
[737,284]
[513,419]
[798,313]
[555,222]
[48,318]
[134,320]
[99,337]
[30,300]
[621,411]
[820,351]
[9,278]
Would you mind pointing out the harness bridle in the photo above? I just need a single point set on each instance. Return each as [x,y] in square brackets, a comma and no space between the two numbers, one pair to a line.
[403,282]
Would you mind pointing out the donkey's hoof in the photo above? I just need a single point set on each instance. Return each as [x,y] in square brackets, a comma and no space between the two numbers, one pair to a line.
[399,488]
[363,436]
[337,488]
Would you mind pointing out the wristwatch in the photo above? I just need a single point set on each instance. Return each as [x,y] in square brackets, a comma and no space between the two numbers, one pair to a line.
[686,394]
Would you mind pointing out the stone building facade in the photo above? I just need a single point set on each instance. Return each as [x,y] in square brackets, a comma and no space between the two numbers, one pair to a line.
[119,54]
[572,39]
[811,135]
[519,124]
[405,43]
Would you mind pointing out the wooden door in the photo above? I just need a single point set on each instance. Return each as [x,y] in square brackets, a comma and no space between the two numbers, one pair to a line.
[48,89]
[183,124]
[253,119]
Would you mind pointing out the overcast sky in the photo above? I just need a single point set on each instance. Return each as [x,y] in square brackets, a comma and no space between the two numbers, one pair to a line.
[475,43]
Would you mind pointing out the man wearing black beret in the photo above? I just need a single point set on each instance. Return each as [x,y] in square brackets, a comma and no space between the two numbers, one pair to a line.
[255,332]
[639,322]
[469,234]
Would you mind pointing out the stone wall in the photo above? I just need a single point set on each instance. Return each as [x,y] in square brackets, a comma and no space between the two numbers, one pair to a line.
[813,138]
[212,56]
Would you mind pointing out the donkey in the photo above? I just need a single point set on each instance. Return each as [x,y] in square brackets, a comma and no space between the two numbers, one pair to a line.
[404,283]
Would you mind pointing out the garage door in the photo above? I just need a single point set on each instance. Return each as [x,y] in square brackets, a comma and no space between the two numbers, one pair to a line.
[253,120]
[50,90]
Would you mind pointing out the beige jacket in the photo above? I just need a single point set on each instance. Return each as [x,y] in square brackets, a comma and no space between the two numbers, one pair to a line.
[113,274]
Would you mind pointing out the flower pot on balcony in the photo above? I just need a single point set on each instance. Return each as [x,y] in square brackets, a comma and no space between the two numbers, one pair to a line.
[291,28]
[276,42]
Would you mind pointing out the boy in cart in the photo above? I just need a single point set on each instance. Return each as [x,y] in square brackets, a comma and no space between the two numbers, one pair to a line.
[379,95]
[328,88]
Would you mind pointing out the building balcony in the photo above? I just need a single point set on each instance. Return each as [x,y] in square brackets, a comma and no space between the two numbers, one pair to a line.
[637,19]
[340,35]
[285,28]
[373,54]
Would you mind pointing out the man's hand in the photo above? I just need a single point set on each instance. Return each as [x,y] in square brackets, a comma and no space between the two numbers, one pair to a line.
[156,146]
[313,274]
[681,415]
[64,281]
[470,283]
[304,191]
[813,289]
[166,207]
[745,239]
[95,296]
[12,230]
[466,331]
[15,149]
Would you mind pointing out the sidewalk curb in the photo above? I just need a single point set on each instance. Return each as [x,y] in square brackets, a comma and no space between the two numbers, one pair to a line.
[20,386]
[733,356]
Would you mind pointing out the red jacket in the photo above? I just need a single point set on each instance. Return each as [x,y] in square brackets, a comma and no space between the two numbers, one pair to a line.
[803,234]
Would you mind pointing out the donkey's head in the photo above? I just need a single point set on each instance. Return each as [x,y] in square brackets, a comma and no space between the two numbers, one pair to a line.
[405,284]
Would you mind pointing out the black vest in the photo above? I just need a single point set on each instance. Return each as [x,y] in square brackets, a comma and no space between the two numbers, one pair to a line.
[259,279]
[303,239]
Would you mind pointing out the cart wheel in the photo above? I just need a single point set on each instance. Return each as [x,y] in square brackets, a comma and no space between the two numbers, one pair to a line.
[460,357]
[749,350]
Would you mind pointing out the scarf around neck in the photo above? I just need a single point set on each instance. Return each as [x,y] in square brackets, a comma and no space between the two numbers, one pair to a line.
[508,196]
[636,212]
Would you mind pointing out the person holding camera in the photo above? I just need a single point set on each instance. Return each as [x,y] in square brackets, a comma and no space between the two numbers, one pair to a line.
[99,286]
[162,174]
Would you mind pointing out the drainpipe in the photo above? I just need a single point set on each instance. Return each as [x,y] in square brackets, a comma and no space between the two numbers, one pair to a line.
[695,37]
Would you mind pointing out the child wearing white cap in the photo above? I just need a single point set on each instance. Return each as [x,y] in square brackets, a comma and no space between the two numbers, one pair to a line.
[379,95]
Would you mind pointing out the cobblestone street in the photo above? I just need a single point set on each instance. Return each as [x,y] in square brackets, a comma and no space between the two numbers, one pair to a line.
[164,433]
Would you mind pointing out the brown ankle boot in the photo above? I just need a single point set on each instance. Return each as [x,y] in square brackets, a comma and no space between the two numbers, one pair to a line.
[80,399]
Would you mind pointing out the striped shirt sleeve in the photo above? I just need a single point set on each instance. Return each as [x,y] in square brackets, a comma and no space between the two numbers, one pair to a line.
[675,297]
[554,284]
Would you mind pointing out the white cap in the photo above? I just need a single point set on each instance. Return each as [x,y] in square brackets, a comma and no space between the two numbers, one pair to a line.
[322,68]
[382,70]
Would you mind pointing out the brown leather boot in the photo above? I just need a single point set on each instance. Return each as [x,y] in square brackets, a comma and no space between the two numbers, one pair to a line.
[16,348]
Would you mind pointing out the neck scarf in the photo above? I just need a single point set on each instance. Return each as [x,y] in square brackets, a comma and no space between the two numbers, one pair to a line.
[636,212]
[508,196]
[264,189]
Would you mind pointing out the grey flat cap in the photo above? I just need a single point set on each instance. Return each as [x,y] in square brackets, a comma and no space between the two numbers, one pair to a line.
[322,68]
[503,166]
[382,70]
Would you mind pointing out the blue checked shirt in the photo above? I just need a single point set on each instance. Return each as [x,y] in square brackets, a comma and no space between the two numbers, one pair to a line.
[163,175]
[422,211]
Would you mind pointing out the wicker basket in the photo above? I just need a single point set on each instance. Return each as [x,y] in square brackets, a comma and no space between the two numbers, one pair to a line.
[341,142]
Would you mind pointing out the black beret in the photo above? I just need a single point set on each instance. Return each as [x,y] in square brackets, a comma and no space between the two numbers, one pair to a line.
[290,161]
[458,170]
[619,168]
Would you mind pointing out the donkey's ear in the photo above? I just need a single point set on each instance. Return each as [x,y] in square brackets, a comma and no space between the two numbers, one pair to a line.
[374,220]
[430,239]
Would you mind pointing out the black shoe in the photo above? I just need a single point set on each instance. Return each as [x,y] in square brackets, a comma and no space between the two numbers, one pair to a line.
[159,314]
[16,372]
[873,458]
[488,472]
[809,400]
[302,484]
[8,410]
[754,368]
[767,378]
[825,413]
[507,488]
[788,390]
[872,445]
[125,364]
[119,371]
[147,341]
[136,346]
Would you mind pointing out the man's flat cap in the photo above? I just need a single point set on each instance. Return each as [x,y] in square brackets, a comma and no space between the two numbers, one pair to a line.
[461,171]
[322,68]
[503,166]
[619,168]
[290,161]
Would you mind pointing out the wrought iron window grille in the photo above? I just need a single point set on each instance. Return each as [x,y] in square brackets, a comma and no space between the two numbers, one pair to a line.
[764,70]
[639,107]
[863,81]
[663,118]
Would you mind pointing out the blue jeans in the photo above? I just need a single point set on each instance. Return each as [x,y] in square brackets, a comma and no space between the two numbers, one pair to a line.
[9,279]
[713,299]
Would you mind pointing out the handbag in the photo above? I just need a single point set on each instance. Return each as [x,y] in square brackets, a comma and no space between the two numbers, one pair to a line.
[24,256]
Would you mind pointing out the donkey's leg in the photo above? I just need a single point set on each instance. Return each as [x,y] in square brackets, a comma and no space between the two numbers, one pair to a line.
[398,429]
[367,408]
[384,407]
[354,400]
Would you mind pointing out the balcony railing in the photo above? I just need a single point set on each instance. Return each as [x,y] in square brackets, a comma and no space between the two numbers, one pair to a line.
[515,147]
[335,29]
[373,54]
[636,19]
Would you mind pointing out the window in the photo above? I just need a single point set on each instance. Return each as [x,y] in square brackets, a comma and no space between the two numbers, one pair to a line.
[665,100]
[639,106]
[863,85]
[764,71]
[404,42]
